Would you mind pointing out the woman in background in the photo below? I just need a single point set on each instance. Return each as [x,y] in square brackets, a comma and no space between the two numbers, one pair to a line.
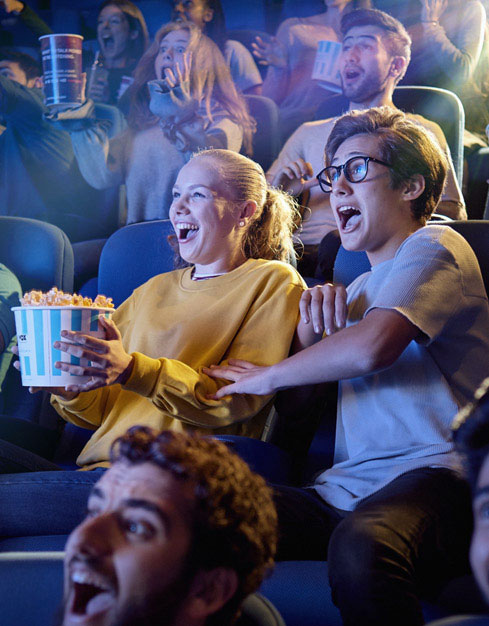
[122,37]
[208,15]
[183,99]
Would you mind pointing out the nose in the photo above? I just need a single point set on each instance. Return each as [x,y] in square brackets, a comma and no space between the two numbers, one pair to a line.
[93,538]
[342,186]
[179,205]
[351,54]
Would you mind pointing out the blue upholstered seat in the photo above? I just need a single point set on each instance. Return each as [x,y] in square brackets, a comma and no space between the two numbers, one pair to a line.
[31,590]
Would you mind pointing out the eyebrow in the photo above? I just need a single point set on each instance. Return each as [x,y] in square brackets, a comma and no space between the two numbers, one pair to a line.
[350,155]
[371,37]
[137,503]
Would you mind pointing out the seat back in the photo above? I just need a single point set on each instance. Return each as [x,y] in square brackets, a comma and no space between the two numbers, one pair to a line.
[41,573]
[266,139]
[39,254]
[41,257]
[133,255]
[440,106]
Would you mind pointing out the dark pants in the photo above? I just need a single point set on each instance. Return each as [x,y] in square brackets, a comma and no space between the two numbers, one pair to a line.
[402,543]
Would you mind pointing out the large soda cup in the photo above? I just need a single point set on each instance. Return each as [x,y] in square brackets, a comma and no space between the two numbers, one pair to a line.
[38,327]
[327,65]
[62,70]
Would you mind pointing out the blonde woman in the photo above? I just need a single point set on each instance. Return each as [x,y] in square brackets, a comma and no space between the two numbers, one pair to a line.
[238,299]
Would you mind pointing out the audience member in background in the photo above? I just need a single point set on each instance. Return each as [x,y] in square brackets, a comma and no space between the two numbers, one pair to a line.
[450,49]
[391,514]
[23,27]
[208,15]
[447,42]
[290,58]
[178,531]
[122,38]
[10,292]
[234,231]
[39,175]
[182,100]
[471,435]
[376,52]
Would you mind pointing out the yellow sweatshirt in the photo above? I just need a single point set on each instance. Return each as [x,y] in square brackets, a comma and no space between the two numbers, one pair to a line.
[174,327]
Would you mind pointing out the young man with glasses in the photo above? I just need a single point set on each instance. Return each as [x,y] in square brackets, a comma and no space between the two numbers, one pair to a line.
[375,56]
[409,346]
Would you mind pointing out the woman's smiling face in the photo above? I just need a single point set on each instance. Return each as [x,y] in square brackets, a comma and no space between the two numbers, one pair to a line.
[206,218]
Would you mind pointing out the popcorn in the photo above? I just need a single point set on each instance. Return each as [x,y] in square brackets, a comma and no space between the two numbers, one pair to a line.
[56,297]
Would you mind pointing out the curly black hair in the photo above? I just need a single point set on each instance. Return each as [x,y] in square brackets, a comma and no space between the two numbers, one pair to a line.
[471,433]
[234,518]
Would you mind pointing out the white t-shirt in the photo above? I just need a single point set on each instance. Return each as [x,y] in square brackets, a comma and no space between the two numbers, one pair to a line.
[242,66]
[399,419]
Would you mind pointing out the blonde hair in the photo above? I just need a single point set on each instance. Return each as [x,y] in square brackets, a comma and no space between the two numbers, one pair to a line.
[269,232]
[210,79]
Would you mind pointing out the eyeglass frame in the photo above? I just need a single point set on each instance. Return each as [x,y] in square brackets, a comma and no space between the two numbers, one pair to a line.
[342,168]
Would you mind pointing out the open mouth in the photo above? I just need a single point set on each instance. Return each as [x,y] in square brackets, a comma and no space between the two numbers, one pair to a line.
[89,598]
[186,231]
[349,217]
[108,42]
[351,73]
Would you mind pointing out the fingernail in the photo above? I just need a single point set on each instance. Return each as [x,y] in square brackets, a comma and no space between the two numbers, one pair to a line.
[329,331]
[56,344]
[317,330]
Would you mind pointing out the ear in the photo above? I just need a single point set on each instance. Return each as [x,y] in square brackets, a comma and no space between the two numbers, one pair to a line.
[210,591]
[413,188]
[36,82]
[398,65]
[247,210]
[208,15]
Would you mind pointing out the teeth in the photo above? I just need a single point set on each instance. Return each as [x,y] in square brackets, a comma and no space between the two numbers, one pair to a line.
[344,209]
[88,578]
[187,226]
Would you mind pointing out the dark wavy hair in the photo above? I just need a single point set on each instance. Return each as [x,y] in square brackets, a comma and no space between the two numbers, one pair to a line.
[137,23]
[234,518]
[210,79]
[27,64]
[408,147]
[471,433]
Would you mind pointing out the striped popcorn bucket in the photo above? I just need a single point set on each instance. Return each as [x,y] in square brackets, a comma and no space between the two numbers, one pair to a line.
[38,327]
[327,65]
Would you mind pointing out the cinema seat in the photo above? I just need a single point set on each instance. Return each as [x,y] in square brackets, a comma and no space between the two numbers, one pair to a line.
[31,591]
[41,257]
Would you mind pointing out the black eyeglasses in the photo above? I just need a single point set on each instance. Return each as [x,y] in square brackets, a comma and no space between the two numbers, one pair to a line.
[355,170]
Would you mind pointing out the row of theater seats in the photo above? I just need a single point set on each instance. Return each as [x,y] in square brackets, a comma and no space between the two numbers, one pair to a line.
[298,589]
[439,105]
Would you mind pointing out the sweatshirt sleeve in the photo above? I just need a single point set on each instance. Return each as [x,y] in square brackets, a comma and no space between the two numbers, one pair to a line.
[100,159]
[183,392]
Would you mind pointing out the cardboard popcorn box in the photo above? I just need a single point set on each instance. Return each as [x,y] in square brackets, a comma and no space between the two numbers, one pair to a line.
[38,327]
[327,65]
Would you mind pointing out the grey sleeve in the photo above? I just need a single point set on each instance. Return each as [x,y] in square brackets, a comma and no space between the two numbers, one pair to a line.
[424,283]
